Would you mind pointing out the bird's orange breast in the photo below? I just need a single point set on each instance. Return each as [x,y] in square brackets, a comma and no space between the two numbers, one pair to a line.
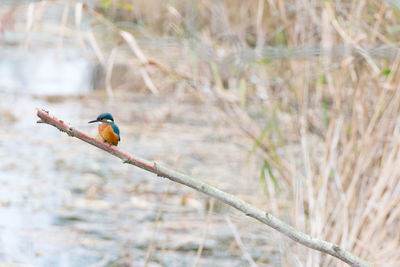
[107,133]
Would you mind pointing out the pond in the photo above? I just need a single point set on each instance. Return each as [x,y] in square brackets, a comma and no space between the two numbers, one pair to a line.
[66,203]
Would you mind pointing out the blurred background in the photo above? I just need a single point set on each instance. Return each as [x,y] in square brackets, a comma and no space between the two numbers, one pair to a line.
[293,106]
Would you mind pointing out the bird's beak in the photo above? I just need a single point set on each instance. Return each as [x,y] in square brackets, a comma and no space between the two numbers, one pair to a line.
[93,121]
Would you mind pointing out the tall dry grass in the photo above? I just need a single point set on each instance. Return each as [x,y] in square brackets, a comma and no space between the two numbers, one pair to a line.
[313,84]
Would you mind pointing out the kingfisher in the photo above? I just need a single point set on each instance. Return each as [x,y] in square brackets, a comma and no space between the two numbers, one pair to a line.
[108,130]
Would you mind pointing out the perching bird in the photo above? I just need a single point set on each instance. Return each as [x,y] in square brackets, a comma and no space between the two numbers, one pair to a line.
[108,130]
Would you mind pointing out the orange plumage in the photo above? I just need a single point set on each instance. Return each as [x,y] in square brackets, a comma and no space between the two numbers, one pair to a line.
[108,130]
[107,133]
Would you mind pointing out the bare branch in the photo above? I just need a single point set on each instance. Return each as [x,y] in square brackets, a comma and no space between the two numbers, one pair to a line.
[246,208]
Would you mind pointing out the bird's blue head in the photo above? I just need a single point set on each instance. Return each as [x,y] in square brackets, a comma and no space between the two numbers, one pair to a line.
[103,117]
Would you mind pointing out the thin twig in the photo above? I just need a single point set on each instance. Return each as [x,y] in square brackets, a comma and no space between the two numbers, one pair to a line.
[156,225]
[203,238]
[246,208]
[239,242]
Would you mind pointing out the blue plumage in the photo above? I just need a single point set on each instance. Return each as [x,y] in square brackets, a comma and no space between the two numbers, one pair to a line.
[105,116]
[115,129]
